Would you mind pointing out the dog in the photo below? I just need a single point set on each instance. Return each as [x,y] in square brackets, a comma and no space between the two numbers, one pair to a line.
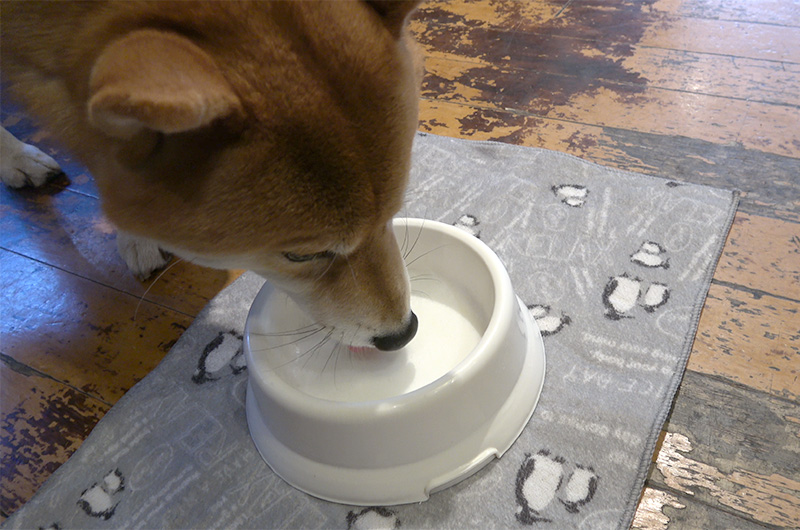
[270,136]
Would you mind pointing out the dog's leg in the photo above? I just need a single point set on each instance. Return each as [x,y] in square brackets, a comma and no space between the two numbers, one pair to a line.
[22,164]
[143,256]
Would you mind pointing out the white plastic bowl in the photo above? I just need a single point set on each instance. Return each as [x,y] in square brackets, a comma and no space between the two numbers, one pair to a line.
[384,428]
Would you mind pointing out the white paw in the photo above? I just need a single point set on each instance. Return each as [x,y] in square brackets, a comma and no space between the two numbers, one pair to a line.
[143,256]
[24,165]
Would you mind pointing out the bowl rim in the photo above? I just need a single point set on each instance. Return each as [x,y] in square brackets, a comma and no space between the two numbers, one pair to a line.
[502,315]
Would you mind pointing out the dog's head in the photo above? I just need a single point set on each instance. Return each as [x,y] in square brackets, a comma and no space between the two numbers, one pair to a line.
[274,137]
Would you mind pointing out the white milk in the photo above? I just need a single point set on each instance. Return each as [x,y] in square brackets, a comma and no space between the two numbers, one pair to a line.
[449,329]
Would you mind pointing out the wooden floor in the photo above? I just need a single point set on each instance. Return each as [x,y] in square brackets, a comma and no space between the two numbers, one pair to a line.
[704,91]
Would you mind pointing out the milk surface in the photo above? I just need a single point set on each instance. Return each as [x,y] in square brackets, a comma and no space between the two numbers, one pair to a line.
[449,329]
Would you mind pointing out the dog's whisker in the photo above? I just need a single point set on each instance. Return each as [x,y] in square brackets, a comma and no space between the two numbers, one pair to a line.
[338,350]
[318,278]
[416,240]
[350,344]
[424,254]
[289,333]
[316,348]
[405,236]
[290,361]
[299,339]
[424,278]
[352,272]
[160,274]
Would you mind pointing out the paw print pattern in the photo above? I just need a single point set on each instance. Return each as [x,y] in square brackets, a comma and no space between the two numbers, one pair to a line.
[548,324]
[372,519]
[544,478]
[224,350]
[580,488]
[655,296]
[620,296]
[98,500]
[622,293]
[469,224]
[651,255]
[571,194]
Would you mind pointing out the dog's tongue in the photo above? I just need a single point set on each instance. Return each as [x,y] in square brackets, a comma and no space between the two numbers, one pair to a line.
[359,350]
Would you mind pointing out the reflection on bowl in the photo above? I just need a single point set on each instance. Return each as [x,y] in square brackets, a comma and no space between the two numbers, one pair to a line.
[381,428]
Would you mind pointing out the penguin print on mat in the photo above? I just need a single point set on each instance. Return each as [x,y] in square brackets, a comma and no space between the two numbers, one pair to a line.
[624,292]
[546,481]
[99,500]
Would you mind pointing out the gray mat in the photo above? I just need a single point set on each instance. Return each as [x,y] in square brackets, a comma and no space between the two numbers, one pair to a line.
[614,266]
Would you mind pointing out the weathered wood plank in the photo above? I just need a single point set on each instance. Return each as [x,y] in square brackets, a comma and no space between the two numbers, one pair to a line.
[661,510]
[96,339]
[763,254]
[769,182]
[776,12]
[490,14]
[750,338]
[765,127]
[42,422]
[67,230]
[588,60]
[626,22]
[724,37]
[733,448]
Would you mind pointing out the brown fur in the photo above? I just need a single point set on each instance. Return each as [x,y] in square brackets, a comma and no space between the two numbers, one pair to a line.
[232,133]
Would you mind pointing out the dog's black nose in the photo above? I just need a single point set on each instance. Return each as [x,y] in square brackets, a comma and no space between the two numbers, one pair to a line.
[395,341]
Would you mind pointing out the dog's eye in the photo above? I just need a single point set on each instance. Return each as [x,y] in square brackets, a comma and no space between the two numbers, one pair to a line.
[299,258]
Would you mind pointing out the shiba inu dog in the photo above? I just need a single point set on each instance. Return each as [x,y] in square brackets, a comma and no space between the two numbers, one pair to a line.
[271,136]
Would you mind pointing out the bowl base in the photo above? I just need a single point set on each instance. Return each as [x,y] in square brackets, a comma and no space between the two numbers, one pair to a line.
[415,481]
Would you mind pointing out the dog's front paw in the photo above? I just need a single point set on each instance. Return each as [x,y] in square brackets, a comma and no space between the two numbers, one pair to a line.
[143,256]
[24,165]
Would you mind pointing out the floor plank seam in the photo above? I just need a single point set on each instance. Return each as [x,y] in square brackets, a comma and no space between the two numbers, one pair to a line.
[739,386]
[529,114]
[79,192]
[611,84]
[51,189]
[611,42]
[27,371]
[563,8]
[757,293]
[139,298]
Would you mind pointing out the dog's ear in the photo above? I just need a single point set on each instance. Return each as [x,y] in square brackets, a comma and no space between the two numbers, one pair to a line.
[159,81]
[394,12]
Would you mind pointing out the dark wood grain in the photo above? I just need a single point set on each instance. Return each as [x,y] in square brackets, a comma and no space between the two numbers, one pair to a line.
[42,422]
[735,449]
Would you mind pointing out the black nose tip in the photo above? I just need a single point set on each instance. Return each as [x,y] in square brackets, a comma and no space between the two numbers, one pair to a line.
[395,341]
